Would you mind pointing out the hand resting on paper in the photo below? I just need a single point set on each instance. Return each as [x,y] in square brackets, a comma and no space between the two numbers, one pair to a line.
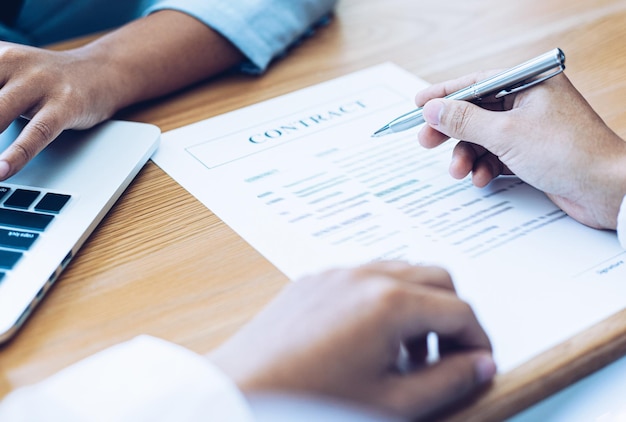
[338,334]
[549,136]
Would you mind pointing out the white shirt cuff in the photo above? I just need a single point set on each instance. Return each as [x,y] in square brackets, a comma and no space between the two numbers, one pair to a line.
[144,379]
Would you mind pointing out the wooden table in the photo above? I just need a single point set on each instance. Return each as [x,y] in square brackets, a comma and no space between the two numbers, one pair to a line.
[162,264]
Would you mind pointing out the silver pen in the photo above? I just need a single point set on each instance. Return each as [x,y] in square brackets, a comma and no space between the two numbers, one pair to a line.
[507,82]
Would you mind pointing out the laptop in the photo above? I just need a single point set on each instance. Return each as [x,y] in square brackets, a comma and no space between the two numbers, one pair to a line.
[52,205]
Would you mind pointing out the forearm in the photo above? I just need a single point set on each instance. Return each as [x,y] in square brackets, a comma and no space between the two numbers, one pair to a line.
[144,59]
[591,183]
[156,55]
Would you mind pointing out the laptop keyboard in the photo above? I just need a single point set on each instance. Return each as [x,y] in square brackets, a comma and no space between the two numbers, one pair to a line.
[24,215]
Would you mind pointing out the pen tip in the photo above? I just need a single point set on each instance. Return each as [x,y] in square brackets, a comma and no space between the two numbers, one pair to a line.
[381,131]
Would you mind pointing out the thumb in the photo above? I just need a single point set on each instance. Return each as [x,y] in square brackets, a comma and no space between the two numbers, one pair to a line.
[460,120]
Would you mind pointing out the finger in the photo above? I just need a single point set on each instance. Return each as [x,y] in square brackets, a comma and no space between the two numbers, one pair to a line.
[35,136]
[464,156]
[486,168]
[425,310]
[431,138]
[13,104]
[467,121]
[415,274]
[471,158]
[431,276]
[443,89]
[432,388]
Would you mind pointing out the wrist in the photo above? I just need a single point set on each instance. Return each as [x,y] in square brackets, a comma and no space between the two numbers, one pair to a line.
[113,85]
[156,55]
[609,185]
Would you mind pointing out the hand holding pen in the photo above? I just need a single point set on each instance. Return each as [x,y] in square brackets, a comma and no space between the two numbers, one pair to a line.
[548,136]
[513,80]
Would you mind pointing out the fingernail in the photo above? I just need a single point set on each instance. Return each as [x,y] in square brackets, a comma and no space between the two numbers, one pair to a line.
[485,368]
[4,169]
[432,112]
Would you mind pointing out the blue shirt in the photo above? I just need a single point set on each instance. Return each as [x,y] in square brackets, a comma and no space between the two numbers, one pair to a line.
[261,29]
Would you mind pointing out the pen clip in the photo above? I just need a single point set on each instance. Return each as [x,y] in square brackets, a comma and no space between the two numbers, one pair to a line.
[534,82]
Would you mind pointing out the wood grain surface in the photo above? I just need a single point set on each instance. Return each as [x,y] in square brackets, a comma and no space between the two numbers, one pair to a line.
[163,264]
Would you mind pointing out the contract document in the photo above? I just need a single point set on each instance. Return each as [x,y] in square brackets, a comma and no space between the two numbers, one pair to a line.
[301,179]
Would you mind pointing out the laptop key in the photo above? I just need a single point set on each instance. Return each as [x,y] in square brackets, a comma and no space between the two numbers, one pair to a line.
[21,198]
[8,259]
[3,191]
[17,239]
[24,219]
[52,202]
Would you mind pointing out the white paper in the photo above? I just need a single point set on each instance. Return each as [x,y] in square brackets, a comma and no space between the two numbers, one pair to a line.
[302,180]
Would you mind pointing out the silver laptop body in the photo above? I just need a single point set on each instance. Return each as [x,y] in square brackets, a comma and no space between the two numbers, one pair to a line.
[86,171]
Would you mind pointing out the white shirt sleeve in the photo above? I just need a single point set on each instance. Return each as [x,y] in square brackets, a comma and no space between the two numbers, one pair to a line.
[621,224]
[144,379]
